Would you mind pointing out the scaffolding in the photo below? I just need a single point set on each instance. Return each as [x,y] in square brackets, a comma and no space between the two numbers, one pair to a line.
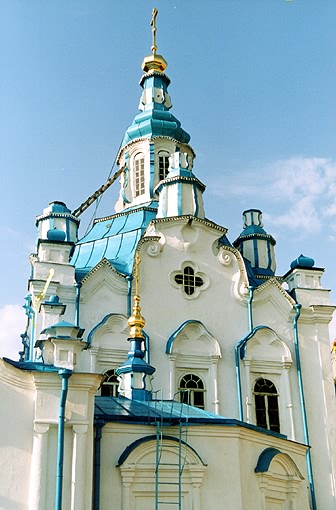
[171,413]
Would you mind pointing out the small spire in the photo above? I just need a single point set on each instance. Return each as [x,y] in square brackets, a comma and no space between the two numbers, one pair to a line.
[154,63]
[136,322]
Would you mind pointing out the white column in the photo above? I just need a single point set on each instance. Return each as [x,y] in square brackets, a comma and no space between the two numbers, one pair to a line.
[248,395]
[196,496]
[127,475]
[79,462]
[172,376]
[290,431]
[38,469]
[93,361]
[213,385]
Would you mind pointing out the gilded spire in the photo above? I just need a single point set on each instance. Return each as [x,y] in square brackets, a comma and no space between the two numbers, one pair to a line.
[136,322]
[154,63]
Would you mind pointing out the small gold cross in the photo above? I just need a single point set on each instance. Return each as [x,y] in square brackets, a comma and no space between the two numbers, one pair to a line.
[153,25]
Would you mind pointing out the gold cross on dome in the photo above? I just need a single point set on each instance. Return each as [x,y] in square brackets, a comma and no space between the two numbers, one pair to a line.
[153,25]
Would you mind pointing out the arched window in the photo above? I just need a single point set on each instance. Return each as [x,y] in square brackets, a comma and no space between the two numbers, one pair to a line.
[266,405]
[189,280]
[110,385]
[163,164]
[192,390]
[139,174]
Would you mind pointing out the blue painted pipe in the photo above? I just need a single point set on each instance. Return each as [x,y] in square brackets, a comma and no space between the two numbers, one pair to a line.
[78,287]
[99,424]
[303,406]
[238,345]
[129,294]
[64,374]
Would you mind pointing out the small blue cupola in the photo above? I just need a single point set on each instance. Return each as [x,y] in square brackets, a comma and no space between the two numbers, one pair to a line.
[303,277]
[135,373]
[60,344]
[180,193]
[57,224]
[256,245]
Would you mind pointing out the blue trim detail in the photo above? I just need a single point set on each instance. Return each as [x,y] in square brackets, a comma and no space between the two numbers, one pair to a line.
[151,169]
[126,170]
[195,200]
[256,254]
[67,229]
[238,346]
[65,374]
[129,279]
[269,255]
[298,307]
[106,318]
[78,287]
[265,459]
[97,326]
[171,339]
[179,199]
[126,453]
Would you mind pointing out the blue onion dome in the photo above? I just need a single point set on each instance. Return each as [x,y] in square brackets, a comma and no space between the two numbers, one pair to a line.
[302,262]
[56,235]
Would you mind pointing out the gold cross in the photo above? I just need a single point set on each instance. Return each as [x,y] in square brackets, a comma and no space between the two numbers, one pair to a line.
[153,25]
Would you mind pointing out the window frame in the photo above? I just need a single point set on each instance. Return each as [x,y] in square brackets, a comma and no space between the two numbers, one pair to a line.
[109,383]
[139,174]
[163,166]
[263,409]
[191,391]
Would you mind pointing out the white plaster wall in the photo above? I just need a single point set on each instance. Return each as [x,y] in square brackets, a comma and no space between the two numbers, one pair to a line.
[229,454]
[16,438]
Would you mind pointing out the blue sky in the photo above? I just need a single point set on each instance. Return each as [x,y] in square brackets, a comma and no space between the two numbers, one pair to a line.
[253,82]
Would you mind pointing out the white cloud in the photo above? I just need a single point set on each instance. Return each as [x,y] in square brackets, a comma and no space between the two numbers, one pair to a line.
[298,193]
[13,322]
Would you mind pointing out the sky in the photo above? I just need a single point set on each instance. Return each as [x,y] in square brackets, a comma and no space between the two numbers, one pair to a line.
[253,82]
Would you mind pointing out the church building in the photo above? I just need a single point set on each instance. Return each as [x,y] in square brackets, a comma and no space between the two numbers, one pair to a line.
[166,366]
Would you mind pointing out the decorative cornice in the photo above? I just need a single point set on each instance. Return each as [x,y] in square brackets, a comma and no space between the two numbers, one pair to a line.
[151,138]
[273,281]
[123,213]
[188,217]
[103,262]
[56,215]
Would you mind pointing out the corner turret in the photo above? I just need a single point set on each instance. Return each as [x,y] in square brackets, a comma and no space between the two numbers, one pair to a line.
[181,192]
[256,245]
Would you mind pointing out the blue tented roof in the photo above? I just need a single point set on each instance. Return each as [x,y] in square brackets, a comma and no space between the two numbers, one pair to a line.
[115,239]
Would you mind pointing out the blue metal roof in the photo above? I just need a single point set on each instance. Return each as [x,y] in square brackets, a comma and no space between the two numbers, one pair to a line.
[115,239]
[169,412]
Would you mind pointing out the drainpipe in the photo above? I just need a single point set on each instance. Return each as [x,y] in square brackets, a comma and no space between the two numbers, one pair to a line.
[99,424]
[64,373]
[129,294]
[237,350]
[298,307]
[78,288]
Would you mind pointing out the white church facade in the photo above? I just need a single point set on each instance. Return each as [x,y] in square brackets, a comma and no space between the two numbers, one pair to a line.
[216,394]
